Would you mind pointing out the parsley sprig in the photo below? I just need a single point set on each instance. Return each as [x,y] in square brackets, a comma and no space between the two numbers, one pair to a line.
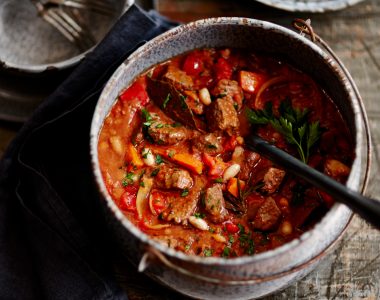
[292,124]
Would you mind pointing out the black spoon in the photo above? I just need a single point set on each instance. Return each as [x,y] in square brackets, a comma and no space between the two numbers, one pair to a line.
[367,208]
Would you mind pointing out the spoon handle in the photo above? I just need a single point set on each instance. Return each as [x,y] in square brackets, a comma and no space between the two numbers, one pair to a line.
[367,208]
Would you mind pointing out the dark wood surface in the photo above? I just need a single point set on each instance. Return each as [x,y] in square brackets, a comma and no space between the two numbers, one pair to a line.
[352,271]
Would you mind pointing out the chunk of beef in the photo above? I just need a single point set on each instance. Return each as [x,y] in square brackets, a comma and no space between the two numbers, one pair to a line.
[222,115]
[268,215]
[214,203]
[163,132]
[230,89]
[207,143]
[178,78]
[193,102]
[181,208]
[173,178]
[250,160]
[272,180]
[336,169]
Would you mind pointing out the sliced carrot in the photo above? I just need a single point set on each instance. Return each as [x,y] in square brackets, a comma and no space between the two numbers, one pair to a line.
[250,81]
[133,156]
[232,186]
[188,161]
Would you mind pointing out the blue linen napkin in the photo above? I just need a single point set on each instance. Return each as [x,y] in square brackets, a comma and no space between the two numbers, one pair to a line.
[53,242]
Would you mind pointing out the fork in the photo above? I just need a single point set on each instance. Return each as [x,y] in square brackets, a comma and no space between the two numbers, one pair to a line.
[98,6]
[66,25]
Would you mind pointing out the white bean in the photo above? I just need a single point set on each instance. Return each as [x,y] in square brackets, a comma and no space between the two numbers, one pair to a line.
[148,157]
[231,172]
[198,223]
[117,144]
[205,97]
[238,155]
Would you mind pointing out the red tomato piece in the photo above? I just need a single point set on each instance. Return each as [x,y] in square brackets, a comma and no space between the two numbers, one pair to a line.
[223,69]
[193,64]
[216,166]
[128,198]
[136,91]
[230,143]
[158,202]
[232,228]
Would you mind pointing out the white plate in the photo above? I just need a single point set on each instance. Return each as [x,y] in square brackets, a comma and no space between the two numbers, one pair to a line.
[310,5]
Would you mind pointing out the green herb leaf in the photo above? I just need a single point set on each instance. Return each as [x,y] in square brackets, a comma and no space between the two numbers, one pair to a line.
[176,124]
[146,115]
[218,180]
[159,125]
[185,192]
[199,215]
[211,146]
[155,172]
[171,153]
[226,252]
[159,159]
[167,99]
[142,184]
[208,252]
[128,179]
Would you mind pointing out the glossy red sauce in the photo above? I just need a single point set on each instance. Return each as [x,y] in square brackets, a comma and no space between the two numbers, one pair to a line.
[173,158]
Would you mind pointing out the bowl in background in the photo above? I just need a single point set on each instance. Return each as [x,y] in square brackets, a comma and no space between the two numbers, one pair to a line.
[249,276]
[30,44]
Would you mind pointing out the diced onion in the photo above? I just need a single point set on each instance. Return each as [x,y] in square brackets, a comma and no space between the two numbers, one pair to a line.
[143,194]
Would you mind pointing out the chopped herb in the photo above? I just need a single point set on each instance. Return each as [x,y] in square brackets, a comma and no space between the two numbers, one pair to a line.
[147,124]
[292,124]
[236,106]
[226,252]
[176,124]
[231,239]
[199,215]
[183,102]
[208,252]
[159,125]
[155,172]
[212,230]
[145,153]
[211,146]
[218,180]
[185,192]
[221,95]
[241,229]
[167,99]
[142,183]
[171,153]
[159,159]
[161,216]
[187,247]
[128,179]
[146,115]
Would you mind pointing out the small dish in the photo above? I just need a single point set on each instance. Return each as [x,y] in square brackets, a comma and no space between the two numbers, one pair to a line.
[29,44]
[317,6]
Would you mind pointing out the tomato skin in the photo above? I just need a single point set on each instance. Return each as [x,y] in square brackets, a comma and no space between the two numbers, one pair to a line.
[223,69]
[232,228]
[158,202]
[193,65]
[128,198]
[136,91]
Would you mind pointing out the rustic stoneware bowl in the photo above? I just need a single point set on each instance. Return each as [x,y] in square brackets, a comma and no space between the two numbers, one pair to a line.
[30,44]
[249,276]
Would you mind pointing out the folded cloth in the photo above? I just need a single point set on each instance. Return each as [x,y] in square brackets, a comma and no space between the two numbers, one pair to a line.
[53,244]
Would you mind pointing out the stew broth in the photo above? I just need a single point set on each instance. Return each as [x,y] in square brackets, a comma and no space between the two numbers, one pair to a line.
[173,158]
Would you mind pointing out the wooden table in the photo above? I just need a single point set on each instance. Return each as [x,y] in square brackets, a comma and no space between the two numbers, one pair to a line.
[352,271]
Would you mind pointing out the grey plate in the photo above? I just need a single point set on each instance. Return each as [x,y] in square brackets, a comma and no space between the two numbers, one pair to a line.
[310,5]
[43,55]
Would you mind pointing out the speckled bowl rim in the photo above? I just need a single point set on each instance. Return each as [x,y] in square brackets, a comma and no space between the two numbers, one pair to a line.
[61,65]
[311,5]
[214,261]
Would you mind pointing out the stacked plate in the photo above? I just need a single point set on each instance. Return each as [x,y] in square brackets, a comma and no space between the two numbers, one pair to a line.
[35,57]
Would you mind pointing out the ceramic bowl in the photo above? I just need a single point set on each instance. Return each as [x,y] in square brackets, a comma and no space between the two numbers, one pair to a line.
[249,276]
[30,44]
